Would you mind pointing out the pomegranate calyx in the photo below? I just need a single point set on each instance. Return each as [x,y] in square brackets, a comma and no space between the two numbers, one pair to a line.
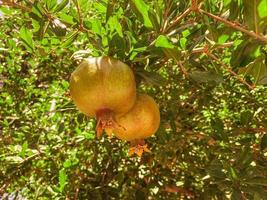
[138,147]
[105,121]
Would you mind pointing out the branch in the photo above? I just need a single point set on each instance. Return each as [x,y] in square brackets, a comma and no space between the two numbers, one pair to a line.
[178,19]
[235,26]
[81,28]
[15,5]
[202,49]
[182,68]
[229,69]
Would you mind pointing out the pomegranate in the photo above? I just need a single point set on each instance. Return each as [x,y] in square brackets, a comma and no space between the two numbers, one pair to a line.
[140,122]
[103,87]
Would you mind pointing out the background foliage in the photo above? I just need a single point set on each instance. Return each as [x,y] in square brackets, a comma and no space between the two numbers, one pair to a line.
[206,73]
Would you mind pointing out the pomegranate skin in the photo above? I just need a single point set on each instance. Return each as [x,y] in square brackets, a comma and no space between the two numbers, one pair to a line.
[103,83]
[140,122]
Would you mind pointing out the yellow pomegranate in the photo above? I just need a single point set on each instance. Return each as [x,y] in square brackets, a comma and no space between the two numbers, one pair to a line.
[140,122]
[103,87]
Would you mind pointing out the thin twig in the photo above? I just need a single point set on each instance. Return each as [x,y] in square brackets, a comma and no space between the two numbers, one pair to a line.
[178,19]
[229,69]
[182,68]
[79,14]
[220,46]
[15,5]
[235,26]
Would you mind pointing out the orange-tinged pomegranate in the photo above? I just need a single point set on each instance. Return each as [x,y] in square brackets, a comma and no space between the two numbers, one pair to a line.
[103,87]
[140,122]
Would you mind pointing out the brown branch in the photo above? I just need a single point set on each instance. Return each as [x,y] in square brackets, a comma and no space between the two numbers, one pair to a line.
[220,46]
[182,68]
[81,28]
[229,69]
[235,26]
[256,130]
[178,19]
[15,5]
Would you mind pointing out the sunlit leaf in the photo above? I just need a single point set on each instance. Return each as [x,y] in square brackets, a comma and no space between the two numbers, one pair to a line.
[162,41]
[62,179]
[143,9]
[26,36]
[70,38]
[61,5]
[262,8]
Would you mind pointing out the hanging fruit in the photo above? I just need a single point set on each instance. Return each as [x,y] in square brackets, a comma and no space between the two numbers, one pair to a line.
[139,123]
[103,87]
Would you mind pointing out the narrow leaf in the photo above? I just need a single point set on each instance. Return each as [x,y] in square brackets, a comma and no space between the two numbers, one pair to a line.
[26,37]
[61,5]
[62,179]
[162,41]
[70,39]
[251,15]
[143,10]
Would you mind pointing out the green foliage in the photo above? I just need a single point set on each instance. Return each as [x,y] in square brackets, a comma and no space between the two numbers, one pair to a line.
[212,142]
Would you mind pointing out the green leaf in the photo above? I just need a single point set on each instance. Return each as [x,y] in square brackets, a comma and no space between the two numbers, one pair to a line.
[26,36]
[70,38]
[50,4]
[244,53]
[89,135]
[162,41]
[251,15]
[115,25]
[206,76]
[96,27]
[61,5]
[100,7]
[183,42]
[62,179]
[23,149]
[66,18]
[38,9]
[135,52]
[143,10]
[233,173]
[67,163]
[257,69]
[223,38]
[154,18]
[262,8]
